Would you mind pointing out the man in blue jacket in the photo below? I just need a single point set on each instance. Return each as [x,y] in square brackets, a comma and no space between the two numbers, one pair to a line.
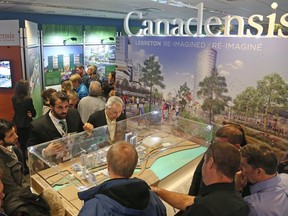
[121,195]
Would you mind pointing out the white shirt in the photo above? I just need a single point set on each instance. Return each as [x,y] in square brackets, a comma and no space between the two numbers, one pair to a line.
[111,125]
[57,123]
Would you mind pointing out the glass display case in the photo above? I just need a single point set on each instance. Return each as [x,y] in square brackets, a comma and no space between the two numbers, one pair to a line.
[163,146]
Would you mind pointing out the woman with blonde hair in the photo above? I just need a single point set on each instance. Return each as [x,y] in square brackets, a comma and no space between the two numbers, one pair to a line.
[73,98]
[79,87]
[66,86]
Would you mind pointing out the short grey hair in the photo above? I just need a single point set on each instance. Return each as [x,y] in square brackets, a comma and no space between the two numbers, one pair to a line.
[94,88]
[114,100]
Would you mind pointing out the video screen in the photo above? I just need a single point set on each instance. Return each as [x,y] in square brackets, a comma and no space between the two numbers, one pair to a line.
[5,74]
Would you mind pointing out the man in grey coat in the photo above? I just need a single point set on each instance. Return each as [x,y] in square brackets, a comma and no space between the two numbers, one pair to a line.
[92,103]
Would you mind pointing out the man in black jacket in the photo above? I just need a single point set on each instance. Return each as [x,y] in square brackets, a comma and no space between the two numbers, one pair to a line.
[230,133]
[60,121]
[219,197]
[16,188]
[112,113]
[10,157]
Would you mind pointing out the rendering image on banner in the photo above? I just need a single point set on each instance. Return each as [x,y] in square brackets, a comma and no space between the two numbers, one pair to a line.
[101,55]
[35,77]
[209,79]
[60,62]
[5,74]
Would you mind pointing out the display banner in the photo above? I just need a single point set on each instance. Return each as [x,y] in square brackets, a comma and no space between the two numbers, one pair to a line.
[59,63]
[101,55]
[96,34]
[215,78]
[9,33]
[52,78]
[61,34]
[31,33]
[35,77]
[33,64]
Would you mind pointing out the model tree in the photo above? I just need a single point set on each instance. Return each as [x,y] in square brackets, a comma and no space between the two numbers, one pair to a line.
[212,90]
[151,76]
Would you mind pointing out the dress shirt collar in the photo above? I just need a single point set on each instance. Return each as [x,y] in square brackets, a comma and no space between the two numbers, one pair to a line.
[111,125]
[54,119]
[255,188]
[109,122]
[57,123]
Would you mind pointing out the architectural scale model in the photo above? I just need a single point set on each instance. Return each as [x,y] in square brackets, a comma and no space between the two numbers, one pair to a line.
[82,164]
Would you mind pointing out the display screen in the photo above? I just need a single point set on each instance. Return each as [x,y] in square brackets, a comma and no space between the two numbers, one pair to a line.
[5,74]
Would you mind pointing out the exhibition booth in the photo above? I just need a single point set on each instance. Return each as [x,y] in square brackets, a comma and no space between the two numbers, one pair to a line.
[168,153]
[230,75]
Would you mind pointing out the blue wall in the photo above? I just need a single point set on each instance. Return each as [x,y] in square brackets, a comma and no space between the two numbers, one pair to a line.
[61,19]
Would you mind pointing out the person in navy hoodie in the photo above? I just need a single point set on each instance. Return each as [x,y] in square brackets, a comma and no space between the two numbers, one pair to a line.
[121,195]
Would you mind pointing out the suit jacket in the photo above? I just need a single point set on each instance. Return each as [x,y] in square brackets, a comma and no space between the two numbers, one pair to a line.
[21,119]
[98,118]
[43,129]
[13,176]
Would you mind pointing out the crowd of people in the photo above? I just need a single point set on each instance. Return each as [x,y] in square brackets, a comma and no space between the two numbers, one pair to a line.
[64,112]
[234,178]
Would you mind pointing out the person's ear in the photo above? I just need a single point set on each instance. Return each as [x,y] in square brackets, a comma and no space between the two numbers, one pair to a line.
[260,171]
[210,163]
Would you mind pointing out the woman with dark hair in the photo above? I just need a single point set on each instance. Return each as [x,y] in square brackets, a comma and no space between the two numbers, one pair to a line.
[23,112]
[108,87]
[111,79]
[46,99]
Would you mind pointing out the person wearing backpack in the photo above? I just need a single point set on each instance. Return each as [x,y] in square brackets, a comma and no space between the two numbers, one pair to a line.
[121,195]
